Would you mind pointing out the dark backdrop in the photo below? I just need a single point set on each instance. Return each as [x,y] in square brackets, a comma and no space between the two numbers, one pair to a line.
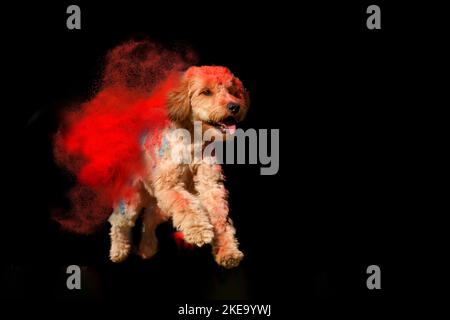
[334,89]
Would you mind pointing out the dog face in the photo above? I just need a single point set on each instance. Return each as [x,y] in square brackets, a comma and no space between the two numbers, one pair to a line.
[212,95]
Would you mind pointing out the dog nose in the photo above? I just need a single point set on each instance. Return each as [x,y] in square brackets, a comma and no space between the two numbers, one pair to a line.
[233,107]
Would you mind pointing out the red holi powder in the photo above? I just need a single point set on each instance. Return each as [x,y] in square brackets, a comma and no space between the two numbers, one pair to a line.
[99,141]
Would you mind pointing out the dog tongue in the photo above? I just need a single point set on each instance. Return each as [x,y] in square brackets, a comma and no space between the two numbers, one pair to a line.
[231,128]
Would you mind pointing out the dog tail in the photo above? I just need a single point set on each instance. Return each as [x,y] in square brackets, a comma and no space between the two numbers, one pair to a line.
[98,141]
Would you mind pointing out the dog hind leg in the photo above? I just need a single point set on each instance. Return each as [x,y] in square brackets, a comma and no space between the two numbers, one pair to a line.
[152,217]
[122,221]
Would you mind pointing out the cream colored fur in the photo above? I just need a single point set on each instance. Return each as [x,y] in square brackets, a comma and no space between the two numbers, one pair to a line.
[192,195]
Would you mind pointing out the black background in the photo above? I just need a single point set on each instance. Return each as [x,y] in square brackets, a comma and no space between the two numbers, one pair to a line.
[339,93]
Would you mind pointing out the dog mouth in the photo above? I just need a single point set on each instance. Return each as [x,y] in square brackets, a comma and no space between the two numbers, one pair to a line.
[227,125]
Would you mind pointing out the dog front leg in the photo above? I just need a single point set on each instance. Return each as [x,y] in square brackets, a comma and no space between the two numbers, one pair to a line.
[187,214]
[214,198]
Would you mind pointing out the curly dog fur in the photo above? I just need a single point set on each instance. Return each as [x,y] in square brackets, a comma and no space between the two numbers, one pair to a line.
[192,195]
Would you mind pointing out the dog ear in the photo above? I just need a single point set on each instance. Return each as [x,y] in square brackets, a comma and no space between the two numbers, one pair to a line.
[179,102]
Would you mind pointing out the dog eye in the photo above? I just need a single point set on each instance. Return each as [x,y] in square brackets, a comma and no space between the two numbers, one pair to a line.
[206,92]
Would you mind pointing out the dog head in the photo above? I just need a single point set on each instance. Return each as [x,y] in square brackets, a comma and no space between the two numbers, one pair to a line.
[211,95]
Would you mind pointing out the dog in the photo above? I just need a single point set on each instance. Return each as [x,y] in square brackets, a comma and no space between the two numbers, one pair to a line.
[192,195]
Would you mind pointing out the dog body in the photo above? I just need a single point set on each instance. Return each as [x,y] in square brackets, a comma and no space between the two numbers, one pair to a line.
[190,193]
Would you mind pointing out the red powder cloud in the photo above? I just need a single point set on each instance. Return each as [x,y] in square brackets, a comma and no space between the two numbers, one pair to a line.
[99,141]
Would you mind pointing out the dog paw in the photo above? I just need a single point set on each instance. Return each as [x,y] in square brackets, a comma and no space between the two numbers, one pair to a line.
[120,249]
[199,235]
[229,259]
[119,253]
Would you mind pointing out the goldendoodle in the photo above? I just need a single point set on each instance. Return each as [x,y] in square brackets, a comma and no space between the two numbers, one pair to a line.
[191,194]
